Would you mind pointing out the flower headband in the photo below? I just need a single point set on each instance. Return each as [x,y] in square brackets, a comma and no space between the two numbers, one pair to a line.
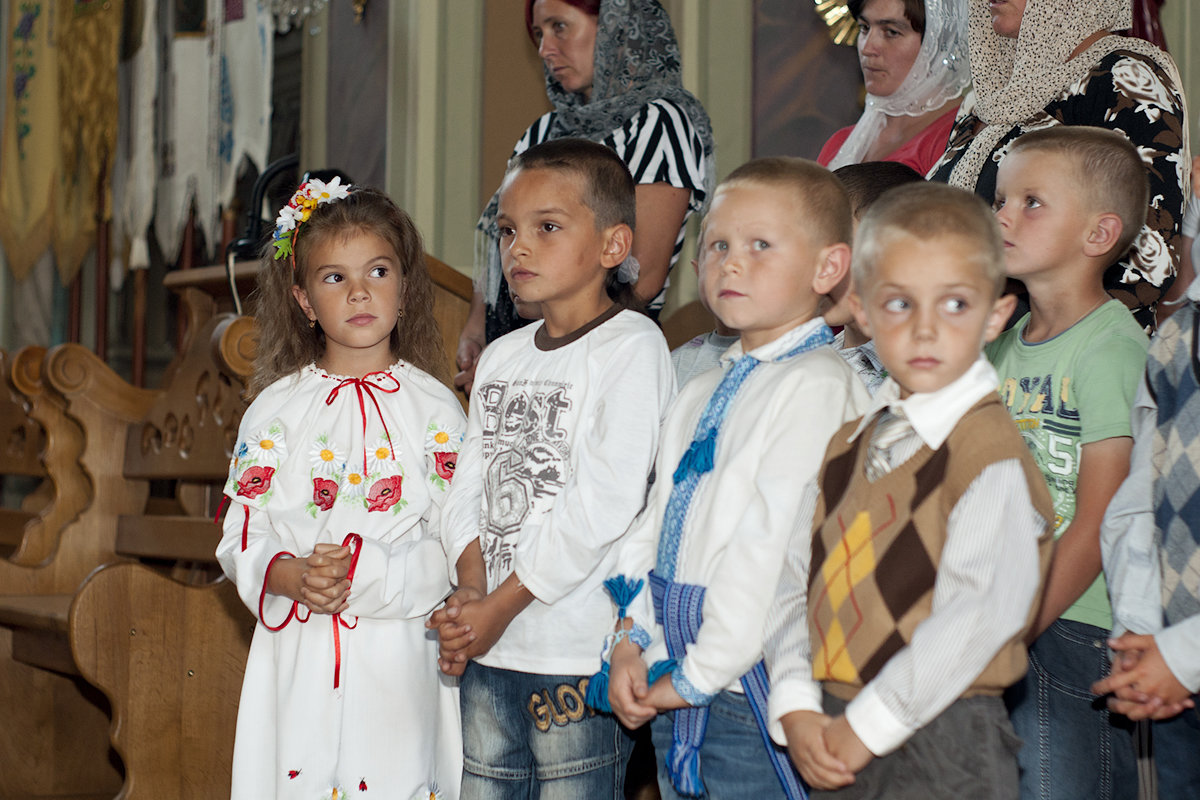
[312,193]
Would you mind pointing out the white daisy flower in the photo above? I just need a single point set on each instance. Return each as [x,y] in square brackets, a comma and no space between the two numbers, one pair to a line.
[328,192]
[267,444]
[325,457]
[354,485]
[379,459]
[439,439]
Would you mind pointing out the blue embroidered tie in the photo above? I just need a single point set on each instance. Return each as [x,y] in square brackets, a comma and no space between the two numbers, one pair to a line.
[698,460]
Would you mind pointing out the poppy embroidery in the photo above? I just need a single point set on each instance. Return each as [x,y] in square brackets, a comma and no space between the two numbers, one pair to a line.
[444,464]
[384,494]
[324,493]
[255,481]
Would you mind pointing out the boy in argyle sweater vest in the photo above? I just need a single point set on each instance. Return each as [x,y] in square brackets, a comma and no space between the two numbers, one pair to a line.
[1151,546]
[901,614]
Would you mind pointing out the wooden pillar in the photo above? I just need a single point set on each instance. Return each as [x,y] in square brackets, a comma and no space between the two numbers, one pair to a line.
[102,259]
[75,309]
[138,358]
[187,259]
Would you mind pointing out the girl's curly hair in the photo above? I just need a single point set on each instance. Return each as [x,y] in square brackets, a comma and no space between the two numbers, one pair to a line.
[286,343]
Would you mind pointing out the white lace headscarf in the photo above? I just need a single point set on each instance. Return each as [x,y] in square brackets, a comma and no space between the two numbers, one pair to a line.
[1015,79]
[939,74]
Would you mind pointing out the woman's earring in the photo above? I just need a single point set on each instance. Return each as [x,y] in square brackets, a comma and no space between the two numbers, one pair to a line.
[312,323]
[401,313]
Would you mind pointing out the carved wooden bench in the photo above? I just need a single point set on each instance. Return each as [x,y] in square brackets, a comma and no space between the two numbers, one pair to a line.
[162,641]
[22,441]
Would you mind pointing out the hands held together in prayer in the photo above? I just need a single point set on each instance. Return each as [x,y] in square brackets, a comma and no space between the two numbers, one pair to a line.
[825,749]
[1141,685]
[318,581]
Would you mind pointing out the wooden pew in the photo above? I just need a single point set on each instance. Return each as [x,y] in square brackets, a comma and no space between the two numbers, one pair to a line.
[21,443]
[58,639]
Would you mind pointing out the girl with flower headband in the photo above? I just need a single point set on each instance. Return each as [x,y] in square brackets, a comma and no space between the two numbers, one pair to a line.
[341,466]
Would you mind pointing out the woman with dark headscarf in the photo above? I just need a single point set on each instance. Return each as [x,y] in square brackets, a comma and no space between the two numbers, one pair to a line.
[1037,63]
[613,76]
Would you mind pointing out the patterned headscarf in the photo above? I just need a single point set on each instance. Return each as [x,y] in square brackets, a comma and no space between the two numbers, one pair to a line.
[1015,79]
[635,61]
[939,74]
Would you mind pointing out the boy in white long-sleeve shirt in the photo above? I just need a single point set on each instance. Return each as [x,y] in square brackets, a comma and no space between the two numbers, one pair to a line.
[901,612]
[560,440]
[736,444]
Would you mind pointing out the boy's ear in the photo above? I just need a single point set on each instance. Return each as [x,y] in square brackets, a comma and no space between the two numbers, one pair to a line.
[302,301]
[833,264]
[860,315]
[1002,309]
[1102,237]
[618,243]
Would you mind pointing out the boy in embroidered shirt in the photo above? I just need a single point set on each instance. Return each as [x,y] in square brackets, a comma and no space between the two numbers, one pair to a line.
[902,608]
[561,436]
[736,444]
[1151,546]
[1069,200]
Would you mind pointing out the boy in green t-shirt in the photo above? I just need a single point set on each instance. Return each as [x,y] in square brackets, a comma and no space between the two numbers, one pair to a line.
[1069,200]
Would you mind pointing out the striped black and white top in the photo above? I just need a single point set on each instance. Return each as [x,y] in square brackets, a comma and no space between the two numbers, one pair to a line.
[659,144]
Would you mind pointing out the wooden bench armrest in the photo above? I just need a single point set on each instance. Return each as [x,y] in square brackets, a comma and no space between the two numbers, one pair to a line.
[168,538]
[170,659]
[39,630]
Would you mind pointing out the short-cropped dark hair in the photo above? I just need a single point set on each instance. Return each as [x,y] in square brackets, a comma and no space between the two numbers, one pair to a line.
[1109,174]
[929,211]
[865,182]
[609,190]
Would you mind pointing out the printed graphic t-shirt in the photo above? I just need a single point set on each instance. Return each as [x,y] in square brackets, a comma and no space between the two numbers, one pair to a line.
[1073,389]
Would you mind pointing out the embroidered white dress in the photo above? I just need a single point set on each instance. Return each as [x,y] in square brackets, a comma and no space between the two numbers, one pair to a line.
[353,705]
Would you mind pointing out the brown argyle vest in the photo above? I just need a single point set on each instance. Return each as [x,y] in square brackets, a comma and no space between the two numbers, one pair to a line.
[876,547]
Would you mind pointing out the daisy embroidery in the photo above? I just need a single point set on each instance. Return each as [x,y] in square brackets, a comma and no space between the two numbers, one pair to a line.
[325,457]
[266,445]
[439,438]
[353,486]
[379,458]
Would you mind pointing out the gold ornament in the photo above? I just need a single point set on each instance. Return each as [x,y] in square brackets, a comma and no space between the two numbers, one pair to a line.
[843,28]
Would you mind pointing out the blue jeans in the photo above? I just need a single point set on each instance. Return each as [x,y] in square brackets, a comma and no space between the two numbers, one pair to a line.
[1072,747]
[1176,746]
[528,736]
[733,758]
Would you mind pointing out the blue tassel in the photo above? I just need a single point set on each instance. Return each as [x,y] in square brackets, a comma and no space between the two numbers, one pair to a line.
[623,590]
[597,691]
[698,458]
[683,766]
[660,668]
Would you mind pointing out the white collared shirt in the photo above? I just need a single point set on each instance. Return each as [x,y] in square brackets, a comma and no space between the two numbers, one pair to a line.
[987,579]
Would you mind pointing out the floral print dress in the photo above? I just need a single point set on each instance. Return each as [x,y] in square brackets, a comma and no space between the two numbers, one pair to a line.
[351,705]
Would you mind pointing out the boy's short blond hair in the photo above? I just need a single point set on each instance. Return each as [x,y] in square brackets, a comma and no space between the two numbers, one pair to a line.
[929,211]
[824,206]
[1109,175]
